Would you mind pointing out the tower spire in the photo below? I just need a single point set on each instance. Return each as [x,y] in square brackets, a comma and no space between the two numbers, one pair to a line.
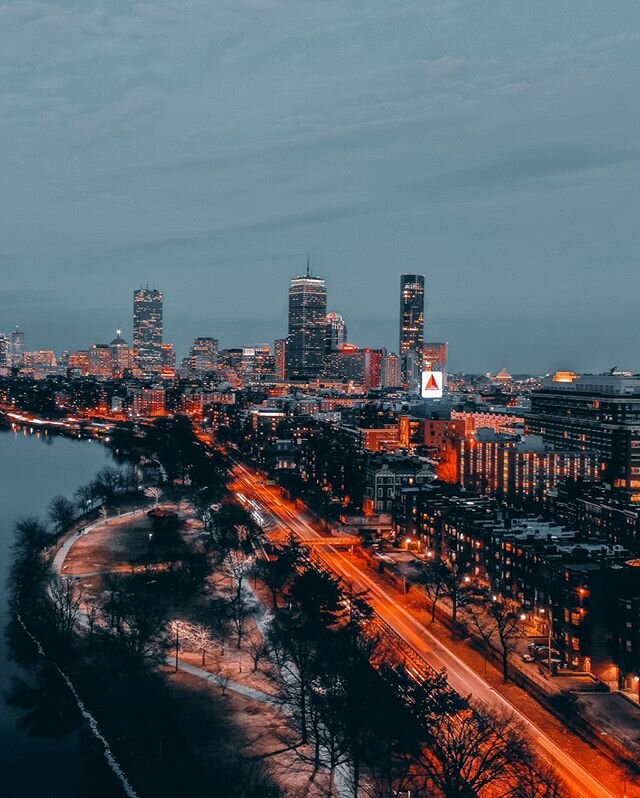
[308,267]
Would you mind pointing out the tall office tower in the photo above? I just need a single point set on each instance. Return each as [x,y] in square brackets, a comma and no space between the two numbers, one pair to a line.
[147,329]
[203,355]
[390,371]
[307,325]
[168,356]
[5,350]
[280,351]
[435,356]
[100,363]
[335,333]
[411,326]
[16,346]
[121,355]
[265,362]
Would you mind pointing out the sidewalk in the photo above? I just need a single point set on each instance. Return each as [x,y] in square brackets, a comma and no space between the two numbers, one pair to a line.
[606,720]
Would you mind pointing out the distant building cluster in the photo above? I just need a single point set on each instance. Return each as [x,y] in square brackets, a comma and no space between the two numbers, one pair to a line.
[315,350]
[534,482]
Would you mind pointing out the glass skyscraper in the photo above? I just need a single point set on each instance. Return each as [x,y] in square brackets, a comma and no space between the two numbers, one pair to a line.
[147,329]
[411,326]
[307,327]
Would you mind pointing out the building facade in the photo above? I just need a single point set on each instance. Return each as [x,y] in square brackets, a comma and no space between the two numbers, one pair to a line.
[307,327]
[598,413]
[147,329]
[411,326]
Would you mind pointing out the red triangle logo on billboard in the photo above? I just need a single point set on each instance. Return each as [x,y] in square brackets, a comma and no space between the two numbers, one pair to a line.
[432,384]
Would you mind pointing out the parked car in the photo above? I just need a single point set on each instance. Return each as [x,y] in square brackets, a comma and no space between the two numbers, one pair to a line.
[528,658]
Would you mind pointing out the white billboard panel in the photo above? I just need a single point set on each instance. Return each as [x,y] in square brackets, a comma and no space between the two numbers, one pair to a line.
[432,383]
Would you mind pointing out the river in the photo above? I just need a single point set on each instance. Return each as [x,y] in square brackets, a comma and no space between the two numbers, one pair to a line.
[45,748]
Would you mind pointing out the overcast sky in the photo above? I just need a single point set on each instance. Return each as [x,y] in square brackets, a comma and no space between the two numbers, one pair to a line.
[206,146]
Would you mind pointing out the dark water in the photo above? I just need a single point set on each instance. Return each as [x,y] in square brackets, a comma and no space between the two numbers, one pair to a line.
[45,748]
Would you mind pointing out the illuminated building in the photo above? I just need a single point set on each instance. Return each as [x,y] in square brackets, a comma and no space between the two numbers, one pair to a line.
[598,413]
[280,349]
[502,377]
[79,362]
[352,364]
[248,362]
[336,332]
[148,402]
[390,377]
[379,439]
[122,359]
[498,421]
[307,327]
[147,329]
[16,346]
[386,475]
[435,356]
[5,351]
[519,470]
[203,355]
[167,357]
[100,361]
[265,363]
[411,327]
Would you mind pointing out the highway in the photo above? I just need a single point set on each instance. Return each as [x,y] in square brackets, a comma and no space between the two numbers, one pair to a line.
[462,678]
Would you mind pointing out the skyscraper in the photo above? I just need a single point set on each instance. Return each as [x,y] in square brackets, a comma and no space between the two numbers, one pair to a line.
[16,346]
[307,326]
[335,333]
[203,355]
[121,355]
[280,350]
[411,327]
[147,329]
[5,350]
[435,355]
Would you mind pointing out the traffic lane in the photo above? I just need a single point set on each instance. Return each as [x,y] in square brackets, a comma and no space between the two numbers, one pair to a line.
[463,679]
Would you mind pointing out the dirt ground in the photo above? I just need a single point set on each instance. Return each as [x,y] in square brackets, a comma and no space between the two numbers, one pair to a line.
[110,547]
[257,730]
[259,736]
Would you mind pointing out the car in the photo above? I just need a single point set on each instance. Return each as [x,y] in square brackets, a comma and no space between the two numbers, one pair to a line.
[528,658]
[543,653]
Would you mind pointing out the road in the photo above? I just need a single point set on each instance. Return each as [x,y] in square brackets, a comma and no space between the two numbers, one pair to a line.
[462,678]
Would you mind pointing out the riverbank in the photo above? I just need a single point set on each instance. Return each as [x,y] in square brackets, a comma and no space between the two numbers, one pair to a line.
[229,676]
[38,720]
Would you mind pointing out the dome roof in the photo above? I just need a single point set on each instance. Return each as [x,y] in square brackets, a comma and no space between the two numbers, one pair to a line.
[118,340]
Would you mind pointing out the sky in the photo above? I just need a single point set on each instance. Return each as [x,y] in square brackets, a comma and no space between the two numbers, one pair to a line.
[206,147]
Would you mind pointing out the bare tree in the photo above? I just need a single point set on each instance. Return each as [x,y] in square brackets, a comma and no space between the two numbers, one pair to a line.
[62,513]
[258,648]
[473,752]
[433,578]
[237,566]
[240,610]
[199,637]
[223,680]
[66,603]
[92,614]
[154,493]
[456,584]
[499,622]
[294,653]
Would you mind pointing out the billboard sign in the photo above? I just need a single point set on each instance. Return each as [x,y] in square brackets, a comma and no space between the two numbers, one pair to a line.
[432,382]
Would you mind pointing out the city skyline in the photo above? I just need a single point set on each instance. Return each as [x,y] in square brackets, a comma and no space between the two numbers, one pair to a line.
[503,165]
[320,399]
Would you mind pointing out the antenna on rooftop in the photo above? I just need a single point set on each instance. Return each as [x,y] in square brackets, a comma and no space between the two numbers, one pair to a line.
[308,267]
